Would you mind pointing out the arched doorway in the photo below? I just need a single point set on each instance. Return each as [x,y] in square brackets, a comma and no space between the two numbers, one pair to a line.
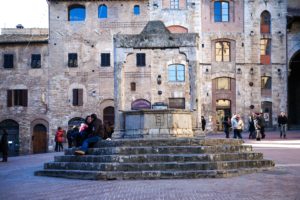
[12,128]
[223,108]
[294,92]
[109,114]
[39,139]
[76,121]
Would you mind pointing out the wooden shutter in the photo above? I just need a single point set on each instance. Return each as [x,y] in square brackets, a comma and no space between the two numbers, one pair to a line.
[24,98]
[9,98]
[80,97]
[75,97]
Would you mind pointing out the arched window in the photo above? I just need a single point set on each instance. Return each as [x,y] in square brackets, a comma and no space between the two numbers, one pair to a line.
[222,51]
[102,11]
[176,73]
[136,10]
[265,22]
[76,13]
[221,11]
[109,114]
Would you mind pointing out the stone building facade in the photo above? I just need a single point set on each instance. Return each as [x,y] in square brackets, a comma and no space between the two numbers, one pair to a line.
[240,62]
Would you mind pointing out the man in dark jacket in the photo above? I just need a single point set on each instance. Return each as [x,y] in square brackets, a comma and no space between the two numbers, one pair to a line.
[96,133]
[4,145]
[282,123]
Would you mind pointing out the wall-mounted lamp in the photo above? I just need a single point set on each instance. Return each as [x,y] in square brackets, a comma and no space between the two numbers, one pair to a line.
[239,71]
[251,71]
[158,79]
[251,33]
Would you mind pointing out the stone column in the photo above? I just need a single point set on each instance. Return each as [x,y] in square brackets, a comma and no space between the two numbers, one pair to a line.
[120,55]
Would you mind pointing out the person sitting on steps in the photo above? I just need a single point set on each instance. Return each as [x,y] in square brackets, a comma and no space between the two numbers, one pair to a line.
[95,134]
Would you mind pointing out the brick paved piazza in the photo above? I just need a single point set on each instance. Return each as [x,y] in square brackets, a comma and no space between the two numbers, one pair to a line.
[18,182]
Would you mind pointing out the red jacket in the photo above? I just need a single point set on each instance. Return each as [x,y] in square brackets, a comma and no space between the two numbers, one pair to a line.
[60,136]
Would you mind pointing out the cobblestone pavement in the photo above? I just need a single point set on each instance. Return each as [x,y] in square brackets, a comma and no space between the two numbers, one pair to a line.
[18,182]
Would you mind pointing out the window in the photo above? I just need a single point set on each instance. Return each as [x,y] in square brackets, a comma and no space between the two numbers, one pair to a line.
[136,10]
[222,51]
[141,59]
[17,98]
[221,11]
[174,4]
[72,60]
[76,13]
[177,103]
[265,22]
[36,61]
[265,51]
[77,97]
[105,60]
[132,86]
[176,73]
[8,61]
[266,82]
[102,11]
[223,83]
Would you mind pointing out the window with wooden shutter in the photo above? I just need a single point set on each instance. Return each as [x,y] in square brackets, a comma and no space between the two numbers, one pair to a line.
[36,61]
[77,97]
[17,98]
[105,60]
[8,61]
[72,60]
[141,59]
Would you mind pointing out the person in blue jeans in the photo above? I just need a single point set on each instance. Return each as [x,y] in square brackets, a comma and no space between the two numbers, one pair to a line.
[282,123]
[95,134]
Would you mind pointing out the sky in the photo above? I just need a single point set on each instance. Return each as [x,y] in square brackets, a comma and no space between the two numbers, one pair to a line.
[29,13]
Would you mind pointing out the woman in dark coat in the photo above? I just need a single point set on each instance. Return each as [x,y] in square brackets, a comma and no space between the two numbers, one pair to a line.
[4,146]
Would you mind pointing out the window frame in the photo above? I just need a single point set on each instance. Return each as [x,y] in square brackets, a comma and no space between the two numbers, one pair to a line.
[265,22]
[105,60]
[80,9]
[36,61]
[8,61]
[17,97]
[176,105]
[222,43]
[136,10]
[219,15]
[174,4]
[102,14]
[77,97]
[177,74]
[141,60]
[266,85]
[72,60]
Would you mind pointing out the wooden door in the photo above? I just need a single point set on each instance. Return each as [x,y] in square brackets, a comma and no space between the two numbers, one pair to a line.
[39,139]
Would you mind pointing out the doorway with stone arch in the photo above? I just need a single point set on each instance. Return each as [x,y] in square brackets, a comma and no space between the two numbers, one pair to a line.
[39,139]
[12,128]
[294,91]
[109,115]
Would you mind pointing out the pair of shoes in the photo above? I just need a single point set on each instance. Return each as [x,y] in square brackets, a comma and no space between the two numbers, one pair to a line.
[4,160]
[284,136]
[79,152]
[108,139]
[263,137]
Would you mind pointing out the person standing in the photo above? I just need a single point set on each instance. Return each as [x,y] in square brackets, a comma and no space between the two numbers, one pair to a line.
[263,124]
[234,124]
[227,125]
[4,145]
[258,125]
[203,123]
[251,126]
[282,123]
[96,134]
[60,139]
[240,126]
